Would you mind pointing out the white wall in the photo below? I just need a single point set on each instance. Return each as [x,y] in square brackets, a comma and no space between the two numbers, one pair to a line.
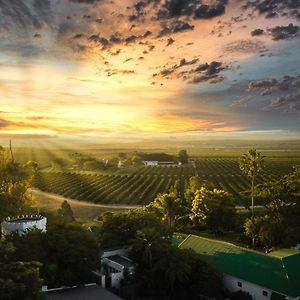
[256,291]
[10,227]
[116,279]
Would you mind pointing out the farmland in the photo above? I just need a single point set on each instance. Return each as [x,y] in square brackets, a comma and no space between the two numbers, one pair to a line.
[141,185]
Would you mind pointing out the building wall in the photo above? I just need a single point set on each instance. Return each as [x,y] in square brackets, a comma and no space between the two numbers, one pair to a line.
[116,279]
[256,291]
[150,163]
[10,227]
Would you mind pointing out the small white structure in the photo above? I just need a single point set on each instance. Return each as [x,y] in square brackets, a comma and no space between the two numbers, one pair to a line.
[22,223]
[152,163]
[115,263]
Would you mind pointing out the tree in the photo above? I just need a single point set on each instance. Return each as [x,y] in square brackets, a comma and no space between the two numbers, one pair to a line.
[170,207]
[191,187]
[121,228]
[65,212]
[18,280]
[251,164]
[14,183]
[215,209]
[183,157]
[72,255]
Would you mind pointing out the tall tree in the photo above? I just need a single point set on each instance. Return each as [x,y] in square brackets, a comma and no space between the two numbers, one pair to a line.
[214,208]
[183,157]
[191,187]
[251,164]
[14,183]
[66,212]
[170,206]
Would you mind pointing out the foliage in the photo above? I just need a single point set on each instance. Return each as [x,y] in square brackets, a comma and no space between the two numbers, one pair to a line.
[193,184]
[215,209]
[65,213]
[251,164]
[72,255]
[268,231]
[183,157]
[176,274]
[281,225]
[14,182]
[170,207]
[120,229]
[18,280]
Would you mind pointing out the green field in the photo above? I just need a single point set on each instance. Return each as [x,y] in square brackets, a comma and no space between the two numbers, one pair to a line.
[141,185]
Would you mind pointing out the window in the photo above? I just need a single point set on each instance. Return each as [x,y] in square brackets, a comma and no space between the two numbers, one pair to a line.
[265,293]
[239,284]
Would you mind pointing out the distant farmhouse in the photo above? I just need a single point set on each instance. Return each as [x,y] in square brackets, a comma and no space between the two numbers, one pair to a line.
[156,159]
[22,223]
[114,264]
[265,276]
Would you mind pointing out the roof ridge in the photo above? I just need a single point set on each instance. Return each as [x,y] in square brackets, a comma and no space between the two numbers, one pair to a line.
[231,244]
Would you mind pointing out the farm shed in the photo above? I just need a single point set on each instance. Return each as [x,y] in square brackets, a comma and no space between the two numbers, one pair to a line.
[265,276]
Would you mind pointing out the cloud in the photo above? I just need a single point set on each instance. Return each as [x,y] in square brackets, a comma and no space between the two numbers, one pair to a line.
[288,84]
[257,32]
[269,86]
[208,72]
[275,8]
[242,101]
[85,1]
[175,27]
[284,32]
[290,103]
[245,46]
[191,8]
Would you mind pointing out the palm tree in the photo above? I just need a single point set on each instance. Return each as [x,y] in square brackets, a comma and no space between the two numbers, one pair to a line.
[252,163]
[169,205]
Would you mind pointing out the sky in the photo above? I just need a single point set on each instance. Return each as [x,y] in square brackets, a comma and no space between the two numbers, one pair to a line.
[125,70]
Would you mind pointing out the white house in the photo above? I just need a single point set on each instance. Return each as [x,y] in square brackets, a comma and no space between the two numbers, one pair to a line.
[265,276]
[114,264]
[21,223]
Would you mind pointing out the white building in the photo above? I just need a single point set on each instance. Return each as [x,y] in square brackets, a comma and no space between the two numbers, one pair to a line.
[265,276]
[114,264]
[22,223]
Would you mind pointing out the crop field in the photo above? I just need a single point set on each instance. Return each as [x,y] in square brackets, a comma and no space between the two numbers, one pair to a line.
[142,185]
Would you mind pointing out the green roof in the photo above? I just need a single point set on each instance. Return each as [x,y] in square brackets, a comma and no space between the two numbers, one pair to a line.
[278,271]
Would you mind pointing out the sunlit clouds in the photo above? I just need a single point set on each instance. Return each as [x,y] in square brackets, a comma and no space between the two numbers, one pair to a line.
[89,69]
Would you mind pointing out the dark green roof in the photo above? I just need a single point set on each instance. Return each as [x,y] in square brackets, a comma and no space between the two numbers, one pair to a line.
[279,271]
